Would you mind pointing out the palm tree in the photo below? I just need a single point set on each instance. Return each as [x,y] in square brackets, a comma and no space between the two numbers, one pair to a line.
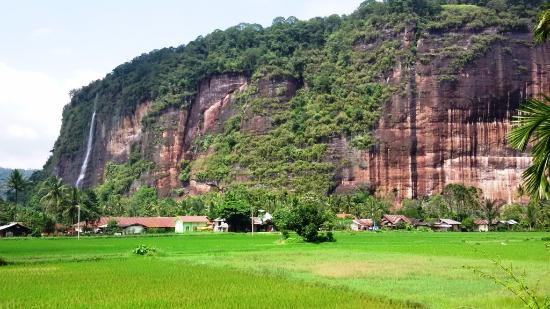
[70,211]
[16,183]
[543,27]
[490,209]
[532,126]
[55,196]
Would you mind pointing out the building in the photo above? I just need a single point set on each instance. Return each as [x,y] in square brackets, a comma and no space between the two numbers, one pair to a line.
[264,223]
[393,221]
[186,224]
[362,224]
[505,224]
[446,225]
[220,225]
[14,229]
[481,225]
[137,225]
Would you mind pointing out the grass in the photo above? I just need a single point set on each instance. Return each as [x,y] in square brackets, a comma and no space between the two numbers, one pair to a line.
[376,270]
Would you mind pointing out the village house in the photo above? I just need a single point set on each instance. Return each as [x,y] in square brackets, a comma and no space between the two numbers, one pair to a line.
[393,221]
[505,224]
[481,225]
[264,223]
[186,224]
[362,224]
[14,229]
[444,225]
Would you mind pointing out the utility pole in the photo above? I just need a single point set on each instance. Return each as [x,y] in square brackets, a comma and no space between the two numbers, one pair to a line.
[252,219]
[78,223]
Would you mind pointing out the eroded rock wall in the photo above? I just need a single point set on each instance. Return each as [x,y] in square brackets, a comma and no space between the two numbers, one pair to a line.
[438,131]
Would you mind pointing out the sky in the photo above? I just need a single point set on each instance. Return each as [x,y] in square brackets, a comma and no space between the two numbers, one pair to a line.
[48,48]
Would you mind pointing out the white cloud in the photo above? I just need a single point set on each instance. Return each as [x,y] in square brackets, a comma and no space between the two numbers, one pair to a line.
[313,8]
[30,113]
[42,31]
[60,51]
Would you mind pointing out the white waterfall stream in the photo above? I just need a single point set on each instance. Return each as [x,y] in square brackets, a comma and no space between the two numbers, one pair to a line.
[82,174]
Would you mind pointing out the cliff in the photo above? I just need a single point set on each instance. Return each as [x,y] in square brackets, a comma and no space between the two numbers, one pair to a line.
[403,107]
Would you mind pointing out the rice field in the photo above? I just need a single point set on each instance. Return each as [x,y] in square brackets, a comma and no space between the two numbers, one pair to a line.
[367,270]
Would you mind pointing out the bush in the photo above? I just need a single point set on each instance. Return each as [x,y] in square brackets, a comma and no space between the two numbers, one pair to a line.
[3,262]
[328,237]
[144,250]
[310,233]
[285,234]
[424,229]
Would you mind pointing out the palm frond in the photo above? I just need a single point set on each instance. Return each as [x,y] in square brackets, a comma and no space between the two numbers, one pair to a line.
[542,29]
[532,127]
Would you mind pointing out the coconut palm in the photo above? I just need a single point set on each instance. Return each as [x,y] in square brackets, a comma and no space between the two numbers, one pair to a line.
[55,196]
[543,27]
[70,209]
[16,183]
[532,127]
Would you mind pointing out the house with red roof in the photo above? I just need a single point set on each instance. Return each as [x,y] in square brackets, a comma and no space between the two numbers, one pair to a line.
[481,225]
[138,225]
[393,221]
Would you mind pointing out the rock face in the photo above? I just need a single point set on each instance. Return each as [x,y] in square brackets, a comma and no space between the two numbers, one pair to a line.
[432,132]
[440,132]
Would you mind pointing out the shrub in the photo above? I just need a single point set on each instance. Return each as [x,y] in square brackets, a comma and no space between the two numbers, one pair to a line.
[3,262]
[328,237]
[423,229]
[310,233]
[144,250]
[285,234]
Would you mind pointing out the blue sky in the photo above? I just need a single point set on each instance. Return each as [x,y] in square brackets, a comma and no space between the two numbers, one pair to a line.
[51,47]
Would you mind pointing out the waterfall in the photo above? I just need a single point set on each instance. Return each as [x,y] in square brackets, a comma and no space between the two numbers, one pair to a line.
[88,151]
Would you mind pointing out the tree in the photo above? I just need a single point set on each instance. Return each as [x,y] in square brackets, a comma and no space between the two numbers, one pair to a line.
[531,214]
[16,183]
[89,211]
[532,126]
[70,211]
[490,209]
[306,216]
[235,208]
[55,196]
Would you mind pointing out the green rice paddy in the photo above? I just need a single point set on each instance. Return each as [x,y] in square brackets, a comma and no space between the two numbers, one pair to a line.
[359,270]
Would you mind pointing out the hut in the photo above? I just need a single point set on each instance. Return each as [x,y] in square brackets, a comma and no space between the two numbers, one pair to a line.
[481,225]
[362,224]
[14,229]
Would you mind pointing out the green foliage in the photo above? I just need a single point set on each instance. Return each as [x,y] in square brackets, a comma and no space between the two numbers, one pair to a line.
[468,224]
[342,67]
[532,125]
[516,283]
[235,209]
[118,180]
[143,202]
[542,29]
[144,250]
[112,227]
[412,209]
[16,183]
[306,216]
